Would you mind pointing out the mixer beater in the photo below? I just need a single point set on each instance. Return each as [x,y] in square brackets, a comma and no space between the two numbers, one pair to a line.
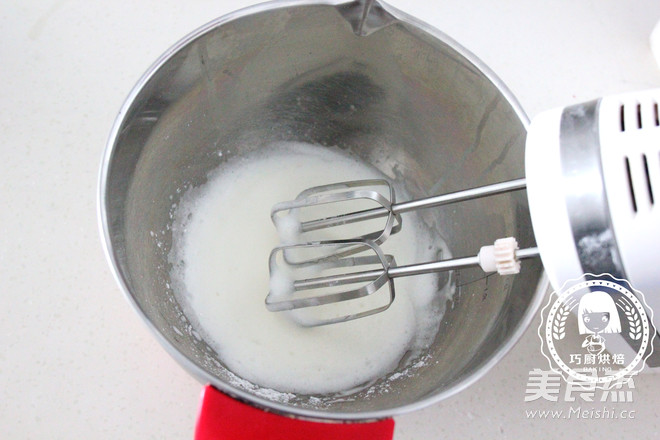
[315,270]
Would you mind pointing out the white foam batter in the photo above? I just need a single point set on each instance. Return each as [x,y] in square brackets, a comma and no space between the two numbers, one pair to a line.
[223,236]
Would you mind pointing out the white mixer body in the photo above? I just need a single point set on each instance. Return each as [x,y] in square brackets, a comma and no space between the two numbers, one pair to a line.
[629,127]
[547,206]
[593,182]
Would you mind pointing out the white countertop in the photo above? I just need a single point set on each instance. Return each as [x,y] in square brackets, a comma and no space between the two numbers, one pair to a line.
[76,361]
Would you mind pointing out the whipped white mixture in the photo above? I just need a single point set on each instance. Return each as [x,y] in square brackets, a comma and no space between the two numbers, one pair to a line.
[223,236]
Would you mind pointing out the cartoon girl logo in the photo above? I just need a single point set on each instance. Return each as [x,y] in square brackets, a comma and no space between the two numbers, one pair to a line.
[597,314]
[602,306]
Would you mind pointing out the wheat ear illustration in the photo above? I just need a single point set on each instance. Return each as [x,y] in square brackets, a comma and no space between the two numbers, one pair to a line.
[559,322]
[634,322]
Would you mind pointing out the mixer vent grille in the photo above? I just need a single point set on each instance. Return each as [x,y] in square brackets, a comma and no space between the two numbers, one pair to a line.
[638,172]
[640,119]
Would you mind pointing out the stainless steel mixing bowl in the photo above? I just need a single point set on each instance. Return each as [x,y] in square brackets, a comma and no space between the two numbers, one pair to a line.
[394,92]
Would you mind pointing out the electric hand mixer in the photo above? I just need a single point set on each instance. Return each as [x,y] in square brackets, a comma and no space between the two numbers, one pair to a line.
[592,179]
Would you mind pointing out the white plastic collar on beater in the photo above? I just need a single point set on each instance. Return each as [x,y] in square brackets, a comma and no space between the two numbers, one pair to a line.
[500,257]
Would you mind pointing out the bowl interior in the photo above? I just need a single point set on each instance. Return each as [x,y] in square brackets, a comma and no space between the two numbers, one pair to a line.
[403,98]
